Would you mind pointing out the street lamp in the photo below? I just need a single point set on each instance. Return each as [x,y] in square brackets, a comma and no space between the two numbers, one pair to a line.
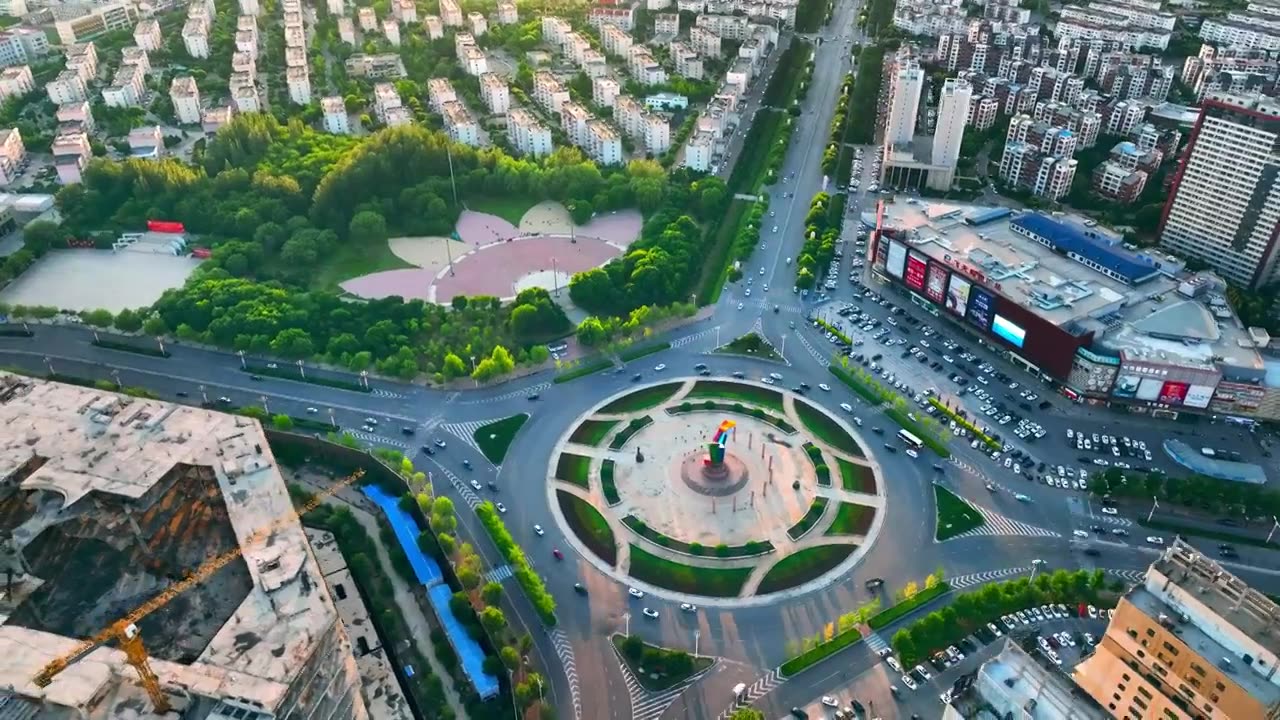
[116,374]
[1154,504]
[332,420]
[301,370]
[204,396]
[160,342]
[243,364]
[696,634]
[364,379]
[265,408]
[49,364]
[626,618]
[1275,524]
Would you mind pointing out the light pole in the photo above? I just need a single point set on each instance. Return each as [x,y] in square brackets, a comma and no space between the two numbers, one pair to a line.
[1154,504]
[302,371]
[243,364]
[265,408]
[1035,567]
[160,342]
[332,420]
[717,336]
[783,350]
[1275,524]
[364,379]
[626,619]
[204,397]
[116,375]
[49,364]
[696,634]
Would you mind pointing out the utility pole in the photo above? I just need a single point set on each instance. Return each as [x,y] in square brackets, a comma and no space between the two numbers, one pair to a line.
[116,375]
[626,628]
[696,634]
[301,370]
[49,364]
[204,396]
[1275,524]
[1154,504]
[243,365]
[364,379]
[783,350]
[265,407]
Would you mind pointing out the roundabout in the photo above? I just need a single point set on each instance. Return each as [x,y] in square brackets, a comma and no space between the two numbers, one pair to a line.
[723,493]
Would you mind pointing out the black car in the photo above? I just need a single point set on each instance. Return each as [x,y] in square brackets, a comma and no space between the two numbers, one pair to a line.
[181,393]
[406,430]
[578,588]
[739,374]
[635,378]
[877,430]
[804,386]
[700,366]
[890,448]
[797,390]
[704,372]
[255,377]
[428,450]
[876,357]
[800,714]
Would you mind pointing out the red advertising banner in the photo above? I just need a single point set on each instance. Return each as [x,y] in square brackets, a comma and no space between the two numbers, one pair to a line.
[936,288]
[165,226]
[916,267]
[1173,393]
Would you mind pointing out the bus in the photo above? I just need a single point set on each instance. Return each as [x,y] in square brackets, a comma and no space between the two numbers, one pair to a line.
[912,441]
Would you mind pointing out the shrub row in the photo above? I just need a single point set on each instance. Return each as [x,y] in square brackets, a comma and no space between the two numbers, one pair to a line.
[721,551]
[965,423]
[755,412]
[819,506]
[586,368]
[286,373]
[543,603]
[153,351]
[633,427]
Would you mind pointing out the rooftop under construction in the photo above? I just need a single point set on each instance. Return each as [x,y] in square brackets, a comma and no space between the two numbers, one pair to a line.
[106,501]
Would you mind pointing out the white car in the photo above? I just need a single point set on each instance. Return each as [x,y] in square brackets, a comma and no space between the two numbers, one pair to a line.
[906,680]
[776,376]
[688,608]
[920,670]
[1080,534]
[912,453]
[635,593]
[824,387]
[739,306]
[830,701]
[659,367]
[476,484]
[1155,540]
[312,411]
[538,530]
[893,663]
[846,407]
[501,508]
[651,614]
[994,630]
[1107,510]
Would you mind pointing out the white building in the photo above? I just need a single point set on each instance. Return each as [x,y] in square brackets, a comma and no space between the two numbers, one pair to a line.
[195,37]
[385,98]
[460,126]
[67,87]
[406,11]
[983,111]
[450,13]
[367,18]
[391,30]
[953,112]
[1242,31]
[657,133]
[71,152]
[629,115]
[126,87]
[336,8]
[548,92]
[97,20]
[623,16]
[479,25]
[433,26]
[146,142]
[77,115]
[299,81]
[22,46]
[462,41]
[495,93]
[12,155]
[906,83]
[137,57]
[1224,205]
[439,92]
[245,98]
[83,59]
[555,30]
[603,143]
[704,41]
[573,121]
[729,27]
[527,135]
[508,14]
[604,91]
[688,63]
[616,41]
[474,61]
[186,99]
[666,24]
[1134,36]
[147,35]
[644,68]
[336,120]
[249,7]
[243,62]
[699,150]
[16,82]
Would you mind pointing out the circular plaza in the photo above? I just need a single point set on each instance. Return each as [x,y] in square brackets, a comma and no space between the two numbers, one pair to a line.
[716,491]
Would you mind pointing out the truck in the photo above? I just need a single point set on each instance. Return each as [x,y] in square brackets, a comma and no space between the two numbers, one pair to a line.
[739,691]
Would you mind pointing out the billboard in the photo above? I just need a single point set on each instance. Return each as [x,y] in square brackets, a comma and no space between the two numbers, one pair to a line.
[882,251]
[958,294]
[981,306]
[1126,386]
[936,286]
[917,265]
[1149,389]
[897,259]
[165,226]
[1198,396]
[1173,393]
[1007,330]
[1233,397]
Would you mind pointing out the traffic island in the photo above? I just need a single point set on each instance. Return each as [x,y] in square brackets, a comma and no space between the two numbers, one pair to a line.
[955,515]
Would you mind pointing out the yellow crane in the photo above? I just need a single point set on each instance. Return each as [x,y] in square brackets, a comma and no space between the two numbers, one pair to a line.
[125,630]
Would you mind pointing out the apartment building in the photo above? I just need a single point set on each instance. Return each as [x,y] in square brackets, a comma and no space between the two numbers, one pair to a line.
[83,60]
[699,151]
[616,41]
[195,37]
[1224,204]
[628,114]
[687,62]
[459,124]
[1044,137]
[604,91]
[1047,176]
[67,87]
[479,25]
[96,21]
[1241,30]
[1191,641]
[983,111]
[434,27]
[71,152]
[644,68]
[450,13]
[391,31]
[1120,117]
[705,41]
[555,30]
[22,46]
[573,121]
[74,116]
[1049,84]
[336,7]
[137,57]
[1016,684]
[948,133]
[347,30]
[507,13]
[386,65]
[548,91]
[1120,178]
[185,96]
[335,119]
[603,143]
[1231,71]
[16,82]
[146,142]
[147,35]
[657,133]
[299,81]
[367,19]
[495,93]
[575,46]
[385,98]
[474,61]
[126,87]
[666,24]
[729,27]
[906,82]
[439,92]
[250,7]
[1121,13]
[929,18]
[527,135]
[405,11]
[245,99]
[1084,125]
[623,17]
[13,155]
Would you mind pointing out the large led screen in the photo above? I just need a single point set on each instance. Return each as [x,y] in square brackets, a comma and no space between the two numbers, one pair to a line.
[1174,393]
[1198,396]
[982,305]
[917,265]
[1126,386]
[936,286]
[897,259]
[1007,330]
[1149,389]
[958,295]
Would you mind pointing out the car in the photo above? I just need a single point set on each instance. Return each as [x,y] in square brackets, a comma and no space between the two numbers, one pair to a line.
[501,508]
[1119,532]
[1093,612]
[775,376]
[994,630]
[1155,540]
[650,613]
[799,714]
[739,306]
[824,387]
[906,680]
[428,450]
[1108,510]
[830,701]
[846,407]
[1093,552]
[739,374]
[659,367]
[439,443]
[476,484]
[1080,534]
[635,592]
[310,410]
[578,588]
[923,673]
[688,607]
[893,663]
[537,529]
[224,400]
[556,552]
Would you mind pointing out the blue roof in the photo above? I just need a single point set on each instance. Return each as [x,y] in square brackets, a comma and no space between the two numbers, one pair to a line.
[983,217]
[1071,239]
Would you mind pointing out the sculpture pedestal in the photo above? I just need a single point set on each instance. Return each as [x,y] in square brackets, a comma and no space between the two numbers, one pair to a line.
[715,480]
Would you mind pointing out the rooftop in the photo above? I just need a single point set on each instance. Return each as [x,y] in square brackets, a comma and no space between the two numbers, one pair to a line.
[112,498]
[1014,682]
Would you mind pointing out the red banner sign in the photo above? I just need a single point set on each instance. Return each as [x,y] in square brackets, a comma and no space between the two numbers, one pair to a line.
[165,226]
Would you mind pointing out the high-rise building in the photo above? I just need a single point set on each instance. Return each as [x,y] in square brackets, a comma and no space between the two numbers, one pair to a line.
[1224,203]
[336,120]
[186,99]
[1192,641]
[904,101]
[948,134]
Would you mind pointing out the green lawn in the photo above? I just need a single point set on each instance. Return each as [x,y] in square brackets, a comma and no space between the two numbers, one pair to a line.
[750,345]
[955,516]
[820,468]
[511,208]
[801,567]
[496,437]
[657,668]
[589,525]
[722,550]
[852,519]
[606,483]
[641,399]
[588,367]
[725,390]
[592,432]
[573,469]
[352,261]
[633,427]
[856,478]
[663,573]
[827,430]
[810,518]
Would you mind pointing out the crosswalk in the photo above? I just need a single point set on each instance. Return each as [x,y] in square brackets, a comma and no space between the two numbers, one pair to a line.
[820,357]
[763,685]
[468,495]
[1133,576]
[373,439]
[564,650]
[645,704]
[874,641]
[763,305]
[997,524]
[498,574]
[465,431]
[982,578]
[380,393]
[687,339]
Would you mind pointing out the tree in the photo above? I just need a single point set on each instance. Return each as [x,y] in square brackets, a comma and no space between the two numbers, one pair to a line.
[492,593]
[367,227]
[41,235]
[632,647]
[510,657]
[98,318]
[447,544]
[293,343]
[283,423]
[453,367]
[128,321]
[591,332]
[746,713]
[493,620]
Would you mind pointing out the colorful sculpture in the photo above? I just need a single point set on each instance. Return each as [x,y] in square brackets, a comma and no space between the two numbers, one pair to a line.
[716,448]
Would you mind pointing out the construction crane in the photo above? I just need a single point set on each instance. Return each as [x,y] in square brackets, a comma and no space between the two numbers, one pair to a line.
[125,630]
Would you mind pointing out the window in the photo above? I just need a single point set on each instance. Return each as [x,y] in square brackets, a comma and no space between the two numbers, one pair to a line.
[340,591]
[1196,667]
[1144,692]
[1172,650]
[1220,687]
[1140,702]
[1126,677]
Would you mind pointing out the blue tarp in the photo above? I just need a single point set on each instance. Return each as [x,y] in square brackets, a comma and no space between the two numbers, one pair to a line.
[428,573]
[1069,238]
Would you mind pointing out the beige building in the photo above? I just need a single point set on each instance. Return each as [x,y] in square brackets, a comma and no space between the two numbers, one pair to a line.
[367,18]
[336,120]
[100,20]
[147,35]
[16,82]
[12,155]
[186,99]
[391,31]
[1193,641]
[459,124]
[527,135]
[604,145]
[507,13]
[479,25]
[433,26]
[548,91]
[67,87]
[495,93]
[450,13]
[604,91]
[439,92]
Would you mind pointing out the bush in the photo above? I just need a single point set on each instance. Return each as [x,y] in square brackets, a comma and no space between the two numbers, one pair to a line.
[542,601]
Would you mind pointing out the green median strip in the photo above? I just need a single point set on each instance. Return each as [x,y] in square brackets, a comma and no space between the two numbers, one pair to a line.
[915,602]
[586,368]
[494,439]
[955,515]
[638,351]
[151,350]
[294,373]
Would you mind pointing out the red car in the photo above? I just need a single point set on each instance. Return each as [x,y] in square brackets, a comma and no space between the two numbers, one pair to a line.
[558,554]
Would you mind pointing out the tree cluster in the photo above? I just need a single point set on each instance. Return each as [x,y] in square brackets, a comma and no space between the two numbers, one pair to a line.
[822,229]
[664,662]
[543,603]
[1206,494]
